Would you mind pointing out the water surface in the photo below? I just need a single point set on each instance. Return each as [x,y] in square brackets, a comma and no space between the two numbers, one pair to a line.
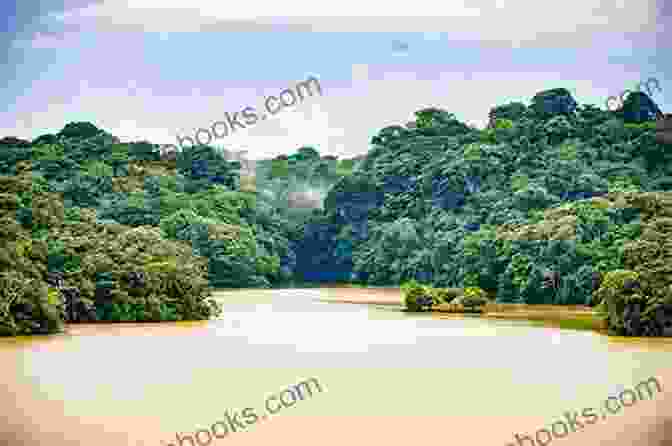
[387,377]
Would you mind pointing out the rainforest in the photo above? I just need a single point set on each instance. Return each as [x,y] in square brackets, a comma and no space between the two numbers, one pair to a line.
[553,203]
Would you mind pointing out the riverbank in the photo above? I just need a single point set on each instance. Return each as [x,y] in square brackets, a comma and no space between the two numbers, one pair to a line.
[576,317]
[579,317]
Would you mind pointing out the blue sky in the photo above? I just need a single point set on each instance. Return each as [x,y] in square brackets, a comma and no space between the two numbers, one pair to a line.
[149,69]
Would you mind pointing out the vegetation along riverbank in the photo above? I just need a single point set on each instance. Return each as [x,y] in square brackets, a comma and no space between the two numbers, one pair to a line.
[554,203]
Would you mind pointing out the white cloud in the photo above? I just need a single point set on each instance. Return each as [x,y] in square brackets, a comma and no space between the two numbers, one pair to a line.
[320,120]
[292,128]
[251,10]
[514,21]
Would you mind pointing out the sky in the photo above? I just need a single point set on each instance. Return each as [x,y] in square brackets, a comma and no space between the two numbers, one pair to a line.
[160,69]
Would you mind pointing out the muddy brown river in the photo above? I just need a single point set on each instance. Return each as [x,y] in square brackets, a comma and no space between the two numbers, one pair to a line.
[385,377]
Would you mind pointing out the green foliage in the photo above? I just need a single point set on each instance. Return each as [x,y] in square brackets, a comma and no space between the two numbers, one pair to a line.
[612,297]
[622,184]
[96,169]
[568,152]
[346,164]
[445,295]
[414,293]
[279,169]
[24,248]
[510,179]
[344,168]
[86,190]
[646,125]
[132,209]
[503,124]
[429,117]
[507,290]
[638,108]
[551,102]
[532,291]
[521,266]
[472,152]
[519,182]
[26,306]
[474,297]
[307,153]
[393,245]
[513,111]
[79,130]
[48,152]
[58,233]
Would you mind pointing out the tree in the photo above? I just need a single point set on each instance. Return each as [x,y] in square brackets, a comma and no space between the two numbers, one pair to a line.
[308,153]
[554,101]
[507,291]
[534,291]
[79,130]
[512,111]
[144,151]
[638,107]
[279,168]
[428,117]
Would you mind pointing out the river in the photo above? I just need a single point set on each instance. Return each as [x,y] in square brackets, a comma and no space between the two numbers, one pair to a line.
[386,377]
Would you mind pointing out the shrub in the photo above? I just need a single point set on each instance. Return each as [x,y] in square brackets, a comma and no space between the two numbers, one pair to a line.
[473,297]
[415,295]
[612,297]
[446,295]
[28,306]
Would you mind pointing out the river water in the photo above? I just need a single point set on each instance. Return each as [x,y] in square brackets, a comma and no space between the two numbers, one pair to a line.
[386,377]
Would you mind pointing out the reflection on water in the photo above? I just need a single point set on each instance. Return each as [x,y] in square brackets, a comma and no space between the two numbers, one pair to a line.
[141,383]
